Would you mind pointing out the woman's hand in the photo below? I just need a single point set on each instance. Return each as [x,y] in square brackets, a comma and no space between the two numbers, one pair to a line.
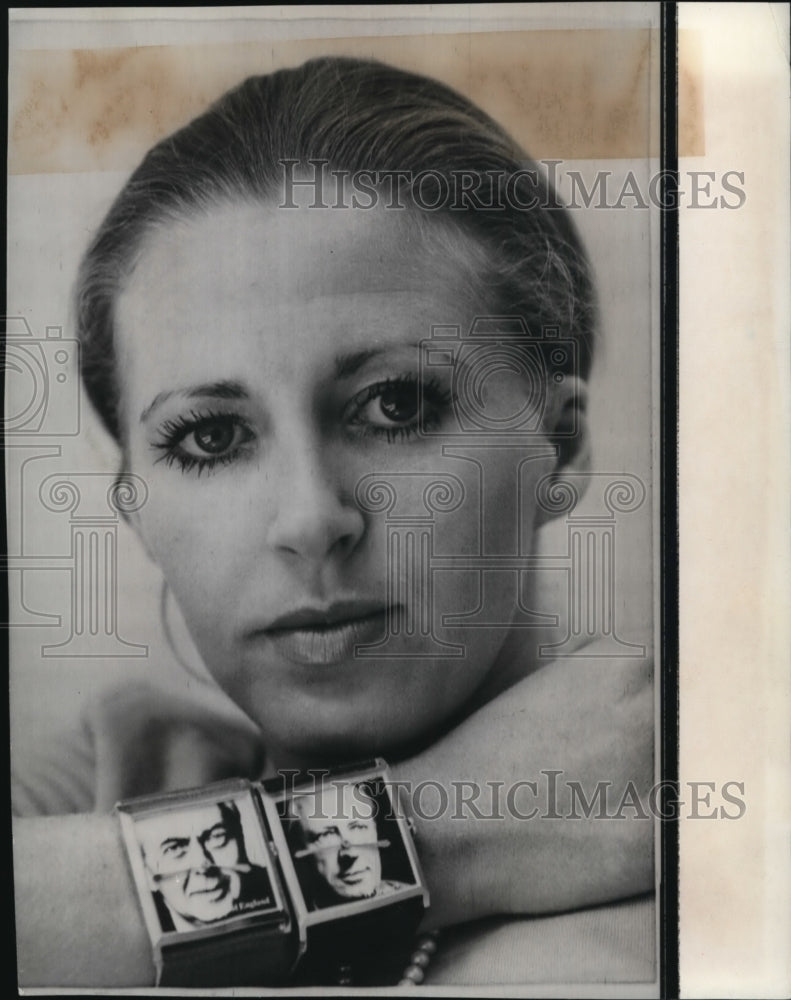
[149,738]
[592,720]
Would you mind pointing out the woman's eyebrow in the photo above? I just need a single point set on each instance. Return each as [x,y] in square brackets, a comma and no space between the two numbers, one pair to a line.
[347,365]
[211,390]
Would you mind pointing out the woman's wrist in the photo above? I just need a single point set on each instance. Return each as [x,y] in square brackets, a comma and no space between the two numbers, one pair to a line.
[489,838]
[67,865]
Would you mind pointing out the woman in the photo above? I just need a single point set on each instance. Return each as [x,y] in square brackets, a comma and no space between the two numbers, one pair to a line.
[266,357]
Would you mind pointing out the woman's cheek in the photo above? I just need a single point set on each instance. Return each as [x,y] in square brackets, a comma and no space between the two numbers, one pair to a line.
[197,548]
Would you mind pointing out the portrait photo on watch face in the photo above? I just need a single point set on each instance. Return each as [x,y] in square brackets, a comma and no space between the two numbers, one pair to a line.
[203,864]
[346,844]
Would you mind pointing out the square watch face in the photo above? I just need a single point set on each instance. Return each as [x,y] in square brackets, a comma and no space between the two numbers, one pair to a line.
[345,845]
[201,862]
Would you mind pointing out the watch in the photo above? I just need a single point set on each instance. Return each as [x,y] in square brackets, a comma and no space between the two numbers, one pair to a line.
[308,879]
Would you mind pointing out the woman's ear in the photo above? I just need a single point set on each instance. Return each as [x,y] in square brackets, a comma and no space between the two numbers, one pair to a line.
[566,427]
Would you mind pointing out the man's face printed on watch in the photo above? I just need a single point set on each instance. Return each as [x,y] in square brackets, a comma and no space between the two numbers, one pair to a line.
[194,858]
[338,826]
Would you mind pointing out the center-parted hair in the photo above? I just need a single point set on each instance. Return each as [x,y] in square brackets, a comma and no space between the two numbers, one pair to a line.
[355,116]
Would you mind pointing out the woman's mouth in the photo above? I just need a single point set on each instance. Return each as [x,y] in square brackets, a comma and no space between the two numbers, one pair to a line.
[313,636]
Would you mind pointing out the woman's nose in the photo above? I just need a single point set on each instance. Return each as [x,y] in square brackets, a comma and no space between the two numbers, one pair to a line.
[314,516]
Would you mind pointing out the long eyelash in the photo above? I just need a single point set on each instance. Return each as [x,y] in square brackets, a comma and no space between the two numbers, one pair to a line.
[187,462]
[431,391]
[431,387]
[173,433]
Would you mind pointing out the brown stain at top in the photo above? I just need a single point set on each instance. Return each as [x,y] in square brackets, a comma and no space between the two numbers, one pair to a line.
[102,65]
[566,94]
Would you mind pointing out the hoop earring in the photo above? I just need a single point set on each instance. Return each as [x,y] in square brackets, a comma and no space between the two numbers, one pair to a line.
[168,633]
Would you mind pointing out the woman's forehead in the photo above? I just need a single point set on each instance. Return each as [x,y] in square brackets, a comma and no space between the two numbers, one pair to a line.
[245,283]
[301,252]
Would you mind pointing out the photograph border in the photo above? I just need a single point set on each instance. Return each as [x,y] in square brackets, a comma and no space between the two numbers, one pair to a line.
[664,485]
[667,488]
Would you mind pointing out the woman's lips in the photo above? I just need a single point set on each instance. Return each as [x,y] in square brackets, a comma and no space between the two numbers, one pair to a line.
[327,636]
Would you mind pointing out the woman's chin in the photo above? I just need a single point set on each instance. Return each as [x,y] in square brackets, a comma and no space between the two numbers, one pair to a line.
[344,733]
[368,707]
[320,746]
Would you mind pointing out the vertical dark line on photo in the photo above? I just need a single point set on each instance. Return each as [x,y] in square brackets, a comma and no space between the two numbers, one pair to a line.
[669,888]
[9,977]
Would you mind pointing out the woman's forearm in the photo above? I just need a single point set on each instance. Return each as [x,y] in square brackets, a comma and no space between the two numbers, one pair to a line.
[589,718]
[77,917]
[78,921]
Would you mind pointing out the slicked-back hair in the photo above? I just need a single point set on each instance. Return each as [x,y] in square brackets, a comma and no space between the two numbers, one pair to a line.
[354,115]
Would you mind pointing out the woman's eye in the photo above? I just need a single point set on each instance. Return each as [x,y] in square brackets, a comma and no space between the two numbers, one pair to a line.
[214,437]
[397,408]
[201,441]
[397,404]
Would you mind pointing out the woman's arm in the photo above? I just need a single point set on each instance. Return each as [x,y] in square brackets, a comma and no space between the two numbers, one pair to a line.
[77,916]
[591,719]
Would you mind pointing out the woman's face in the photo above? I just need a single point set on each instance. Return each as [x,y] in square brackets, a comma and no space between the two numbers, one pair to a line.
[270,361]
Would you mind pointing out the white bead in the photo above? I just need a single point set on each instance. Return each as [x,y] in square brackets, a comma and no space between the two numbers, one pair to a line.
[414,974]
